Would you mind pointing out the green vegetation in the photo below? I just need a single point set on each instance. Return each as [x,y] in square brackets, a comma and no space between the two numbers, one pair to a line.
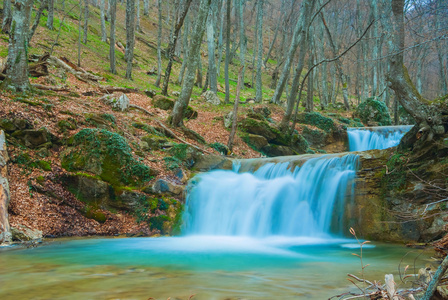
[372,110]
[318,120]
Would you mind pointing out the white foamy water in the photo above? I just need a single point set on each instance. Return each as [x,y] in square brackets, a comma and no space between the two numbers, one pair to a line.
[382,137]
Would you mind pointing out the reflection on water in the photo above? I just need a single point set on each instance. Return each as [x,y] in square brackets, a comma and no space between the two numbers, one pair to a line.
[210,267]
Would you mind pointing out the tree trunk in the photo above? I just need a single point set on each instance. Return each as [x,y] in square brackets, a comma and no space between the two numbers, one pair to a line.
[172,46]
[212,72]
[240,7]
[428,117]
[176,118]
[235,110]
[37,21]
[86,20]
[113,15]
[292,50]
[199,71]
[185,49]
[259,92]
[17,62]
[50,17]
[159,45]
[220,38]
[130,36]
[137,24]
[310,91]
[342,76]
[228,10]
[103,21]
[146,7]
[79,33]
[7,16]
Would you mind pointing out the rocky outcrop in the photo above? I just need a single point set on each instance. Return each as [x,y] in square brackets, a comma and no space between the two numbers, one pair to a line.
[5,231]
[24,234]
[119,102]
[374,113]
[163,186]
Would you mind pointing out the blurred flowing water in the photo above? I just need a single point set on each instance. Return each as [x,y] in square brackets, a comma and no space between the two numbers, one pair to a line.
[381,137]
[273,232]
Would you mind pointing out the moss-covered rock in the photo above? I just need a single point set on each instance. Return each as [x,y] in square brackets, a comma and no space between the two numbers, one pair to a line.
[299,144]
[318,120]
[277,150]
[316,137]
[153,142]
[221,148]
[162,102]
[263,111]
[104,121]
[262,128]
[107,155]
[256,142]
[374,112]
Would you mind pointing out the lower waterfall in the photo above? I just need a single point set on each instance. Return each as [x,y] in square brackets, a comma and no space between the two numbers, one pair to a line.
[275,200]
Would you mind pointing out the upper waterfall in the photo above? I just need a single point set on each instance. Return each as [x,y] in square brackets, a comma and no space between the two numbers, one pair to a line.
[273,200]
[381,137]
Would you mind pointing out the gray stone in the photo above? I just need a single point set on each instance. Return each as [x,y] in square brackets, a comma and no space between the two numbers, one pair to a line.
[256,141]
[175,94]
[228,119]
[211,97]
[34,138]
[163,186]
[211,162]
[23,233]
[150,93]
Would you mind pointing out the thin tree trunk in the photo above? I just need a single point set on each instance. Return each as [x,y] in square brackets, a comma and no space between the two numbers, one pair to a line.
[37,19]
[212,72]
[172,46]
[310,90]
[242,37]
[176,118]
[235,110]
[50,17]
[229,3]
[113,14]
[291,52]
[130,36]
[342,76]
[146,7]
[137,24]
[79,32]
[103,21]
[259,87]
[185,49]
[199,71]
[375,48]
[86,20]
[159,45]
[220,38]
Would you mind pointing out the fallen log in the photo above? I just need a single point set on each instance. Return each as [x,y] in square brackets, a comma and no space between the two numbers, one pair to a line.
[78,72]
[50,88]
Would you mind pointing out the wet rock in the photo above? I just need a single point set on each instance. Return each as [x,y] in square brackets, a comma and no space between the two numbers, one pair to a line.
[162,186]
[211,162]
[23,233]
[277,150]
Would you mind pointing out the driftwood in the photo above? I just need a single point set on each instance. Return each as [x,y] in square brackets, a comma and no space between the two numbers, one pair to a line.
[167,129]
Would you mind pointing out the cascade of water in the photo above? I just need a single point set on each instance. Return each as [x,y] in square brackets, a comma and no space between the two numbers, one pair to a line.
[369,138]
[271,201]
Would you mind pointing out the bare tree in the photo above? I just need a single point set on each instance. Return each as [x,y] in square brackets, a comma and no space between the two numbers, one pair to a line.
[212,72]
[235,109]
[172,46]
[103,21]
[176,118]
[130,36]
[259,84]
[50,17]
[159,45]
[228,10]
[113,14]
[86,20]
[7,16]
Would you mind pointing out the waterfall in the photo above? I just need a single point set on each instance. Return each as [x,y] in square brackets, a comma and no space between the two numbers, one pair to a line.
[382,137]
[275,200]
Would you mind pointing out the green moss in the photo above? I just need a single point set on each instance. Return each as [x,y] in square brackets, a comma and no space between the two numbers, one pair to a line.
[44,165]
[221,148]
[172,163]
[107,155]
[318,120]
[374,110]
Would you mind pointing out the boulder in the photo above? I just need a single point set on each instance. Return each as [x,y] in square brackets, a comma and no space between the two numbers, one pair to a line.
[163,186]
[117,101]
[315,137]
[299,144]
[107,155]
[211,162]
[88,189]
[262,110]
[372,110]
[277,150]
[318,120]
[258,128]
[150,93]
[162,102]
[255,141]
[22,233]
[153,142]
[211,97]
[175,93]
[33,138]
